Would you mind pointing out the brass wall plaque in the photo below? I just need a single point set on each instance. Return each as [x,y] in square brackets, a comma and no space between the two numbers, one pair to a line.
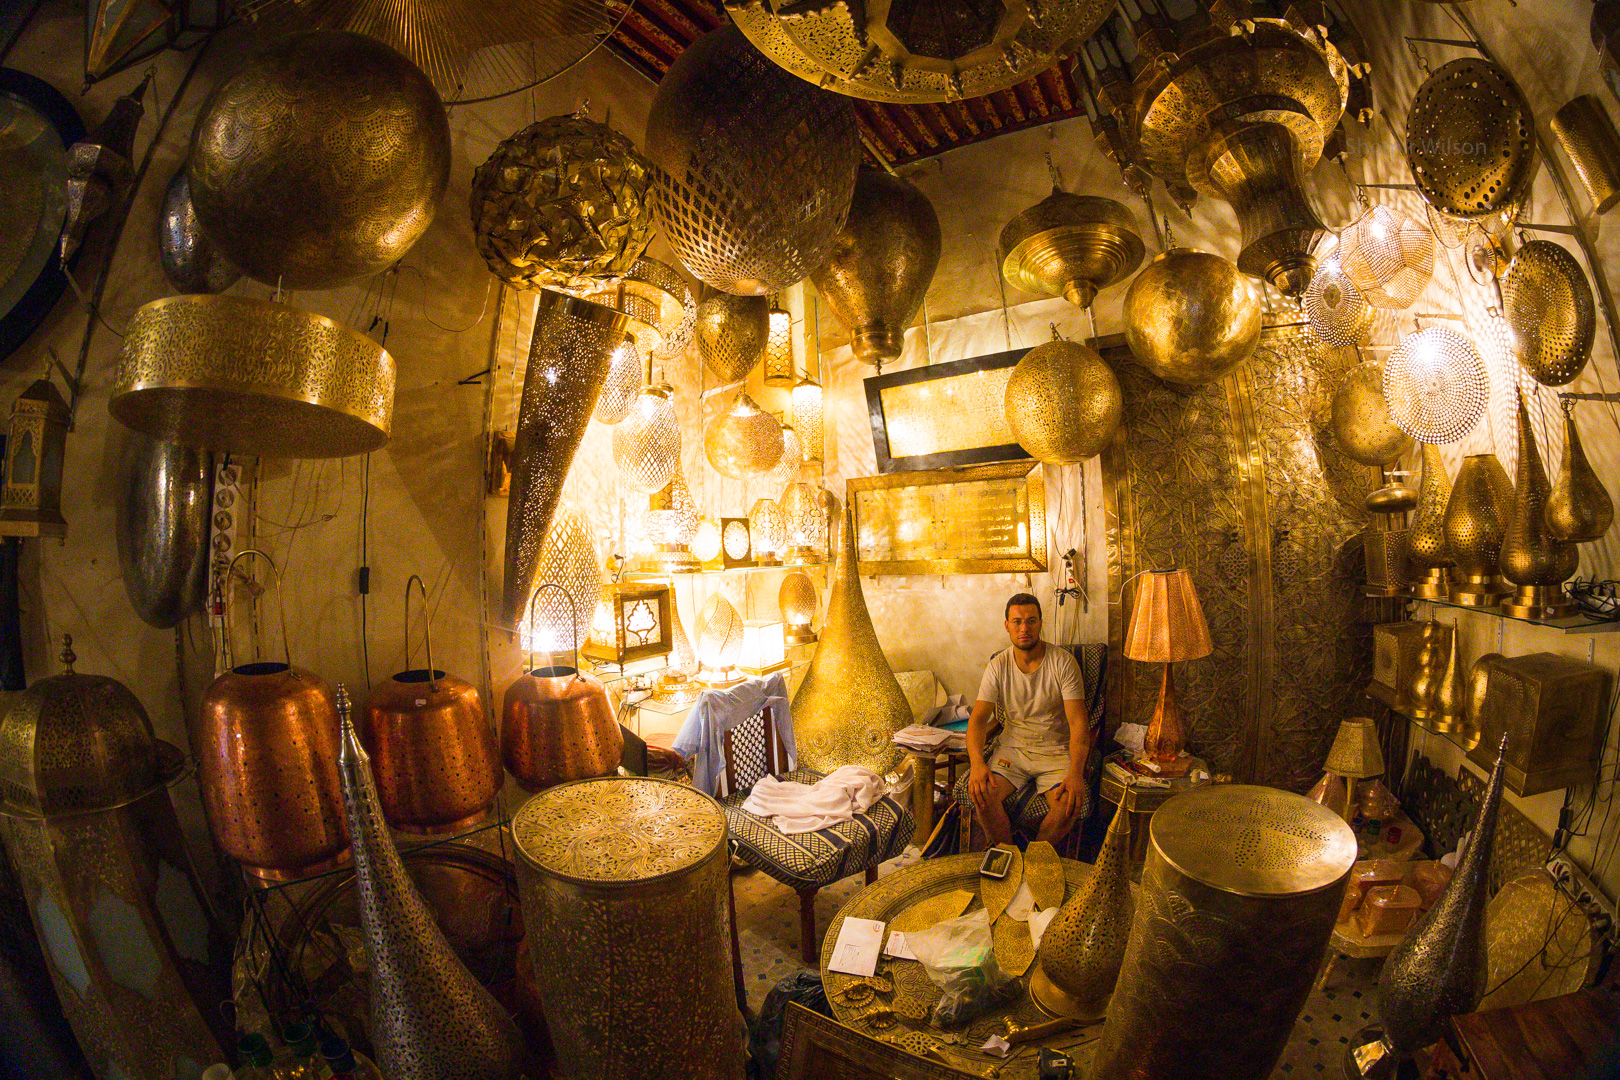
[987,519]
[944,415]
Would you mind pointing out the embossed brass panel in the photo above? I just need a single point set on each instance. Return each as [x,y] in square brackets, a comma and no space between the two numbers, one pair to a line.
[1239,481]
[990,519]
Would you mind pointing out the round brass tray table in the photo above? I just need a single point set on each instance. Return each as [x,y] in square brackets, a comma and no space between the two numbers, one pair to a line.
[901,1015]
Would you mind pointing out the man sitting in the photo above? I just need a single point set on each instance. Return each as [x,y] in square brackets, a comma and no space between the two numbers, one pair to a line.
[1046,737]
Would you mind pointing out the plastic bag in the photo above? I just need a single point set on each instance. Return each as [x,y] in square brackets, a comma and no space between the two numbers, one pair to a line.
[972,993]
[949,947]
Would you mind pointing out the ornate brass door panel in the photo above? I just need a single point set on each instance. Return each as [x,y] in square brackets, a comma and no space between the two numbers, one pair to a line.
[1238,482]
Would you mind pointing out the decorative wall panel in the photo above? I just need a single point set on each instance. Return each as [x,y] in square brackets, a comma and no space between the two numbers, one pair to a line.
[1238,482]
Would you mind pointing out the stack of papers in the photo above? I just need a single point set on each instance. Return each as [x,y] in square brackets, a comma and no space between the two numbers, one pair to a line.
[925,738]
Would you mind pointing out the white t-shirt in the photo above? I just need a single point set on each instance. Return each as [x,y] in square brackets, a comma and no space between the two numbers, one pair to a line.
[1034,702]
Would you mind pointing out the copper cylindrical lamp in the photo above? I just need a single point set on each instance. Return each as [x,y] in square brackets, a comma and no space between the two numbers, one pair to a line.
[1167,625]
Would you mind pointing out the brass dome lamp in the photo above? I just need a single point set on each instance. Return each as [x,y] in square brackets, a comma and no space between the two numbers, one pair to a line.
[743,441]
[1070,245]
[1191,316]
[719,643]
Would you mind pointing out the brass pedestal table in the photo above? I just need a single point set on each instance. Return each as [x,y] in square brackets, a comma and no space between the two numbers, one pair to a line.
[895,1003]
[1140,800]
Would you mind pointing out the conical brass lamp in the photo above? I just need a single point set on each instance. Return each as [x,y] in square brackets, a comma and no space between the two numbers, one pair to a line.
[1476,520]
[1167,625]
[1579,507]
[850,703]
[1531,558]
[1426,544]
[1084,944]
[1070,245]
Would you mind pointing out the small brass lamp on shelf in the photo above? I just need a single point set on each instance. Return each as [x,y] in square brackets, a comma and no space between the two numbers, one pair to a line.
[631,623]
[1355,755]
[1167,624]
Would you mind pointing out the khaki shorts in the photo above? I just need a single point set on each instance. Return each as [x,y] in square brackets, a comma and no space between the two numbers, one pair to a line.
[1048,768]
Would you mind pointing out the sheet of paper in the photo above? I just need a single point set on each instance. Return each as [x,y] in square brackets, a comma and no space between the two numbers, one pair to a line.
[898,948]
[856,951]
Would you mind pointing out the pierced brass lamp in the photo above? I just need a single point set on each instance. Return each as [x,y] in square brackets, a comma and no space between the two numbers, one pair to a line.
[1167,625]
[1355,755]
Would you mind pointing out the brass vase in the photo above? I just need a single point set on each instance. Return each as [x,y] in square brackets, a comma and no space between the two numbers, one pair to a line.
[849,703]
[430,1019]
[1422,697]
[1438,970]
[1426,545]
[881,264]
[1531,558]
[1476,520]
[1084,944]
[1450,697]
[1579,507]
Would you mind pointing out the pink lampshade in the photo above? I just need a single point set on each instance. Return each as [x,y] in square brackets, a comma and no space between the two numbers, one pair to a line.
[1167,622]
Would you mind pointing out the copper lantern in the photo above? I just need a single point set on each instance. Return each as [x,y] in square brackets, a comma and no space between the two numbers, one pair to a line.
[435,757]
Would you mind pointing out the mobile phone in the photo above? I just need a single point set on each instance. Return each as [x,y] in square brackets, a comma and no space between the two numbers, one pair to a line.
[997,863]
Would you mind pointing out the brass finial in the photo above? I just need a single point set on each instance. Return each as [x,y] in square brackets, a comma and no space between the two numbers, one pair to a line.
[66,655]
[342,695]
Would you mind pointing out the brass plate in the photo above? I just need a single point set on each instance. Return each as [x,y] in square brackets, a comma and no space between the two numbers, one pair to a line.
[988,519]
[997,893]
[1043,871]
[934,910]
[1254,841]
[943,415]
[1014,949]
[1537,942]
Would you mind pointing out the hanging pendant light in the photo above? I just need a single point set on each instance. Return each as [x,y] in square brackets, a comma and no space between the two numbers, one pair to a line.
[792,458]
[647,443]
[1436,385]
[1063,402]
[733,333]
[1388,257]
[743,441]
[807,417]
[1361,425]
[1337,311]
[778,347]
[1579,507]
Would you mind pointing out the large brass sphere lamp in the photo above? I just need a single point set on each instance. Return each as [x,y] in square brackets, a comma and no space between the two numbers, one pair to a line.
[1190,317]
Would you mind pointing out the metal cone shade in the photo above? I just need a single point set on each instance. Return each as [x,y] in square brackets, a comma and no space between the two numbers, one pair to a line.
[430,1019]
[850,703]
[1084,945]
[1439,969]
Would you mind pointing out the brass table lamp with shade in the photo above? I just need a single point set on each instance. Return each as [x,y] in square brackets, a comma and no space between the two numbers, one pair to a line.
[1167,624]
[1355,755]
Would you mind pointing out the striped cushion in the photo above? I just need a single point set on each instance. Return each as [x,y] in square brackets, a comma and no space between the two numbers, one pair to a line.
[812,860]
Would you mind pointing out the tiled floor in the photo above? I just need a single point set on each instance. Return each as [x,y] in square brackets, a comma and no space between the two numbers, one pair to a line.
[768,934]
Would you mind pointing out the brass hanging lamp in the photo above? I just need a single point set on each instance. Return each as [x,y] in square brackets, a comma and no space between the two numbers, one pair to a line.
[881,264]
[569,358]
[1547,304]
[1337,311]
[1470,141]
[1388,257]
[1579,507]
[1191,317]
[779,477]
[622,385]
[1070,245]
[778,346]
[1476,520]
[1531,557]
[850,704]
[647,443]
[1362,426]
[808,417]
[162,529]
[1063,402]
[1435,385]
[743,441]
[732,334]
[1426,543]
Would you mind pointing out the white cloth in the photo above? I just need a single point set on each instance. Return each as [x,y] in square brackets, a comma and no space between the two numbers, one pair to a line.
[1033,701]
[801,808]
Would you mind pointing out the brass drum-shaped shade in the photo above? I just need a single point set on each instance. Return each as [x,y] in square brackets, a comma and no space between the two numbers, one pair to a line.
[1476,521]
[1470,139]
[1435,385]
[934,50]
[556,726]
[1239,895]
[1167,621]
[166,500]
[1551,320]
[1361,422]
[1190,317]
[1579,507]
[647,443]
[755,168]
[1583,128]
[1070,245]
[1063,402]
[849,704]
[190,260]
[245,376]
[881,264]
[565,198]
[435,758]
[731,334]
[1388,257]
[320,160]
[267,746]
[430,1018]
[767,528]
[1427,544]
[569,357]
[804,505]
[743,441]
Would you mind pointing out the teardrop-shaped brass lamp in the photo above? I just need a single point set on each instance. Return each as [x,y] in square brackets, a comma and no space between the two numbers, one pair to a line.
[850,703]
[1531,557]
[732,332]
[1476,521]
[1361,422]
[1426,544]
[743,441]
[1084,944]
[430,1019]
[647,443]
[1451,690]
[1070,245]
[882,263]
[1422,697]
[1439,969]
[1579,507]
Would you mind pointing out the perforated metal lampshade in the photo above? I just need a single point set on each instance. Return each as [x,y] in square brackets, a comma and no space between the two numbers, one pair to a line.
[719,635]
[779,348]
[743,441]
[623,384]
[1388,257]
[1337,311]
[1435,385]
[767,529]
[1167,621]
[647,443]
[807,417]
[792,458]
[804,505]
[706,541]
[1355,751]
[567,559]
[797,601]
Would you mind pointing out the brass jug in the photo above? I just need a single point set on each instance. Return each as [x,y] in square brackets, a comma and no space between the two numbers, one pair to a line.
[1476,520]
[267,747]
[436,760]
[557,724]
[1532,559]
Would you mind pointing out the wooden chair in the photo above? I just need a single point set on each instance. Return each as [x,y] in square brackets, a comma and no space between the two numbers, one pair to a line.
[817,1048]
[805,862]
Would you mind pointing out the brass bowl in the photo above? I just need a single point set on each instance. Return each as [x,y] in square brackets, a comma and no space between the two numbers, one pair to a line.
[1073,245]
[248,376]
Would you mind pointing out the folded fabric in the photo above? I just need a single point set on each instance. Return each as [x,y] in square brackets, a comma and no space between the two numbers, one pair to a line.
[801,808]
